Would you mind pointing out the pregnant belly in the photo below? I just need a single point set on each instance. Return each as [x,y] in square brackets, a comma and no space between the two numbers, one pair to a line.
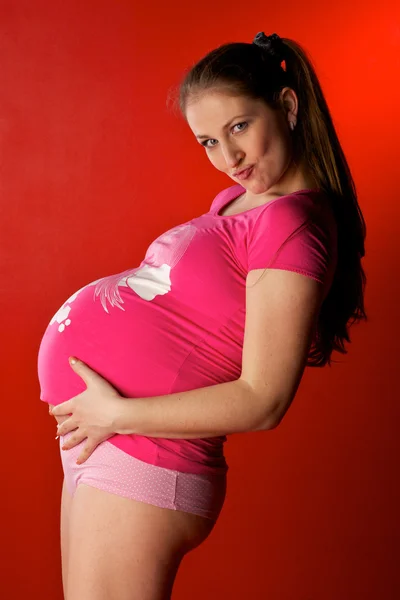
[143,349]
[138,361]
[138,351]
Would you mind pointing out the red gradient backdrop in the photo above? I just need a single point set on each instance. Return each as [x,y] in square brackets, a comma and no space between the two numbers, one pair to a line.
[94,166]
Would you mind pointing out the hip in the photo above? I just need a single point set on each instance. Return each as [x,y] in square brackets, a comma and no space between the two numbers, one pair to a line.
[111,469]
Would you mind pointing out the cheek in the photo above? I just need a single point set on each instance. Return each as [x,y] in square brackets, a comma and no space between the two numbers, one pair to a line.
[276,152]
[216,159]
[261,148]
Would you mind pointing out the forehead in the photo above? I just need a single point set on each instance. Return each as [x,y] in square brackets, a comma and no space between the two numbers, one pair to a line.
[216,108]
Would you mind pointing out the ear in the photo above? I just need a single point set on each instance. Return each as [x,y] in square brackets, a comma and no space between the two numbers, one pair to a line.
[289,101]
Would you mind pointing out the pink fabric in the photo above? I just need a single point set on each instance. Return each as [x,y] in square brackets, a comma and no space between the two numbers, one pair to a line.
[176,322]
[112,470]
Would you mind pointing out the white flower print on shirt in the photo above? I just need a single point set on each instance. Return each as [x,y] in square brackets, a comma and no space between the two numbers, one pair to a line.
[150,279]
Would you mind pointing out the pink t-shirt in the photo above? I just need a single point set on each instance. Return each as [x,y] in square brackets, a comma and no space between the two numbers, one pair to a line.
[176,322]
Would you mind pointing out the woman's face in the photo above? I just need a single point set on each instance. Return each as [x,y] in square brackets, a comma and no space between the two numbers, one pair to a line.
[238,132]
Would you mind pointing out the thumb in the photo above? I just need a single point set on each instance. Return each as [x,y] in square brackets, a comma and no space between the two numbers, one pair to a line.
[79,367]
[73,361]
[83,370]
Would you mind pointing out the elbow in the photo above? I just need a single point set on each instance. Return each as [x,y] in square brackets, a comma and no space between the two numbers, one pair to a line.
[267,413]
[272,416]
[270,422]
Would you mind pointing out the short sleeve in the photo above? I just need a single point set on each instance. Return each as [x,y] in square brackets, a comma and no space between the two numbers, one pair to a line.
[295,233]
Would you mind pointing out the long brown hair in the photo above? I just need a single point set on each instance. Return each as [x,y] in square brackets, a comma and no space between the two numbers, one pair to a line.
[244,69]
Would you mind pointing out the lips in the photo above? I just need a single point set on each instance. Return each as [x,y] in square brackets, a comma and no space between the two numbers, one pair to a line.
[244,173]
[236,173]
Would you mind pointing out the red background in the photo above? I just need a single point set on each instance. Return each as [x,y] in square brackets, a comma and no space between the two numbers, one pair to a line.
[93,167]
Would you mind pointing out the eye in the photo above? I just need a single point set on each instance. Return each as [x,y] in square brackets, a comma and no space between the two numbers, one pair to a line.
[243,123]
[205,143]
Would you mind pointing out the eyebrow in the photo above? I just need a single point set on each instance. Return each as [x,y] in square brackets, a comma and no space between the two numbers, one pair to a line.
[204,137]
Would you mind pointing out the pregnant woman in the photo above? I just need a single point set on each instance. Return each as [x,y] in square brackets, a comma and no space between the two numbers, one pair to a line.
[211,333]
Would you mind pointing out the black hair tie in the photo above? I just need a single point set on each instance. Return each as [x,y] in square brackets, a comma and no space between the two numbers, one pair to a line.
[273,44]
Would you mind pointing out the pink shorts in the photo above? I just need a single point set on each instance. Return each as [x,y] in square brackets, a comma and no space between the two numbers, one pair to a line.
[110,469]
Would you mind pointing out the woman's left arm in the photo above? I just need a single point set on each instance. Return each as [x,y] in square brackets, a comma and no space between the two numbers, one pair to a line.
[281,314]
[221,409]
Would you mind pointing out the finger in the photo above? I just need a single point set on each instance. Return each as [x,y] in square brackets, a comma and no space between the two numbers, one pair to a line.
[84,371]
[89,376]
[58,419]
[74,440]
[65,425]
[61,420]
[86,452]
[62,409]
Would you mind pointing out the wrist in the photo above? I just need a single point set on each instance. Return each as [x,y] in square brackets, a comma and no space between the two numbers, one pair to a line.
[122,417]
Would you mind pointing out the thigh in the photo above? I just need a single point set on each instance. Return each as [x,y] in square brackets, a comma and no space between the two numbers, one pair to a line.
[122,548]
[66,500]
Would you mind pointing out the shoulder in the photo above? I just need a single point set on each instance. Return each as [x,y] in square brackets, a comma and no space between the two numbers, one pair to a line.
[295,212]
[297,205]
[296,233]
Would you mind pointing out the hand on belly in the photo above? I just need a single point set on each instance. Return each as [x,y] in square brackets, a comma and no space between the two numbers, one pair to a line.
[58,419]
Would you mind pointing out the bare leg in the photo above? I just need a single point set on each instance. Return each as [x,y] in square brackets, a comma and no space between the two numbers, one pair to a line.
[122,549]
[66,501]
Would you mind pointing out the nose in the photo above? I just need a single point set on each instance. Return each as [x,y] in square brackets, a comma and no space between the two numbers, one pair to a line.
[233,156]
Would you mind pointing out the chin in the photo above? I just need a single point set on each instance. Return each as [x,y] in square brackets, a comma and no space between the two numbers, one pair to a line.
[256,188]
